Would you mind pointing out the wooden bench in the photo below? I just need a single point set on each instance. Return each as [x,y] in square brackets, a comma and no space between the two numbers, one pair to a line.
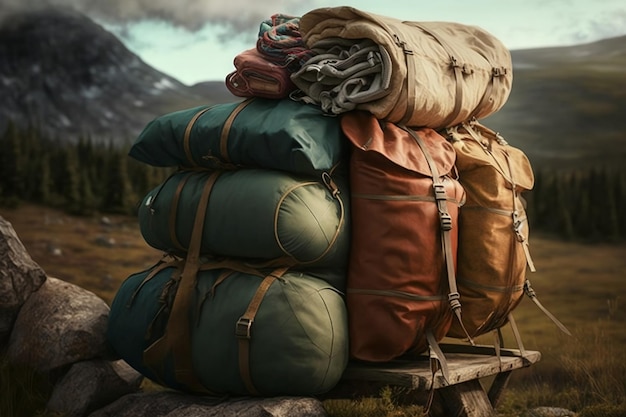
[462,395]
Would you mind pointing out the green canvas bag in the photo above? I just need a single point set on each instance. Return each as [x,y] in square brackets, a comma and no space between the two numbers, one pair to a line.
[265,133]
[227,330]
[258,214]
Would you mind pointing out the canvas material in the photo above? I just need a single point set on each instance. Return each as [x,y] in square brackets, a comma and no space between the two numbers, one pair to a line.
[310,143]
[424,79]
[396,249]
[256,214]
[299,342]
[492,263]
[256,76]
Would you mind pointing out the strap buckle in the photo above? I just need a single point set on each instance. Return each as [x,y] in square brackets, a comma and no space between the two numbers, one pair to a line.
[446,221]
[453,299]
[243,327]
[499,71]
[440,191]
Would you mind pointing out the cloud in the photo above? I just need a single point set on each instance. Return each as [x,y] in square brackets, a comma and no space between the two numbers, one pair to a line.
[189,14]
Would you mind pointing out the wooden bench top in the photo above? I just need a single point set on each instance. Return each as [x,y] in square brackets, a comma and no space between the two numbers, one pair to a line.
[461,395]
[465,363]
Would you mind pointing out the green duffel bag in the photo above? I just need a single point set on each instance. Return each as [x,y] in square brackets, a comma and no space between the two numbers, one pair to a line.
[264,133]
[258,214]
[219,331]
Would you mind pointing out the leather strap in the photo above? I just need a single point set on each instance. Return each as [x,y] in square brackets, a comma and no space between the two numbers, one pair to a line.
[226,128]
[517,220]
[446,227]
[334,190]
[177,336]
[174,213]
[437,358]
[458,70]
[409,59]
[516,334]
[157,268]
[497,345]
[437,361]
[187,136]
[530,292]
[243,329]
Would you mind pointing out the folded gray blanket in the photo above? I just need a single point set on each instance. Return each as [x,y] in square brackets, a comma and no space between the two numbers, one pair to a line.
[343,74]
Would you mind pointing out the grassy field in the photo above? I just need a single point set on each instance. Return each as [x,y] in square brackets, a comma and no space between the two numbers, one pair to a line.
[583,285]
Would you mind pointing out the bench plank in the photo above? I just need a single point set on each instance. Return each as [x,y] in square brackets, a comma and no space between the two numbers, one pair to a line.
[462,395]
[415,373]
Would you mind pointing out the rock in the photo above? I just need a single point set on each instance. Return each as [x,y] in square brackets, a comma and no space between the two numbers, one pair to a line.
[105,241]
[19,277]
[548,412]
[58,325]
[90,385]
[174,404]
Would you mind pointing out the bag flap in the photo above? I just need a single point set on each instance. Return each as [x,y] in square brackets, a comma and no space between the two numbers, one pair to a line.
[476,145]
[370,134]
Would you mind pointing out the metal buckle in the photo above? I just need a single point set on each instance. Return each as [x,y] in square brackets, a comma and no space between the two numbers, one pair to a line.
[242,328]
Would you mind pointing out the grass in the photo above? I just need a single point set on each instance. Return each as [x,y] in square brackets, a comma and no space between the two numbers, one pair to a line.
[583,285]
[96,253]
[24,393]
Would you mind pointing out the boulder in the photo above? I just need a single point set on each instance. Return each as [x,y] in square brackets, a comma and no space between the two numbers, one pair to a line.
[90,385]
[19,277]
[59,324]
[174,404]
[548,412]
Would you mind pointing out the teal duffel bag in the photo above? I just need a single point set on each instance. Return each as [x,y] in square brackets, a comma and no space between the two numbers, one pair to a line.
[257,214]
[264,133]
[219,331]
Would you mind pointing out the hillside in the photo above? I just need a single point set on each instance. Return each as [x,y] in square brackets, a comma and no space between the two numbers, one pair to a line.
[67,76]
[566,106]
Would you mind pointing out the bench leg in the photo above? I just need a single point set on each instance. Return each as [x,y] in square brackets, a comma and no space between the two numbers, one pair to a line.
[467,399]
[497,387]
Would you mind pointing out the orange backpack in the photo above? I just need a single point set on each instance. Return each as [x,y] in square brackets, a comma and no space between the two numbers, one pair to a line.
[404,207]
[493,252]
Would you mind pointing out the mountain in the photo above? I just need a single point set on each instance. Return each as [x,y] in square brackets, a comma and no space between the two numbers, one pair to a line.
[566,107]
[68,76]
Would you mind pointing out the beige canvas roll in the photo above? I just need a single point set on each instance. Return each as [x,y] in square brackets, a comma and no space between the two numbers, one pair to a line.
[442,73]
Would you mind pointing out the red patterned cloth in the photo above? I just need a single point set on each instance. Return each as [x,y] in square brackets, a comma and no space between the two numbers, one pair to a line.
[280,41]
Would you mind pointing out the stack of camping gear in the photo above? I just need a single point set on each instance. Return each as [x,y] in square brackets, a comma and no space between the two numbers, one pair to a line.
[349,206]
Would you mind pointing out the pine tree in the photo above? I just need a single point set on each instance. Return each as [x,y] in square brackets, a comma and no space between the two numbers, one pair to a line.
[610,219]
[118,193]
[620,198]
[70,179]
[43,193]
[11,167]
[581,204]
[563,208]
[88,203]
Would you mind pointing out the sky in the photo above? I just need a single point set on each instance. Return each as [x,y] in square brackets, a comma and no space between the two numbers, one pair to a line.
[197,40]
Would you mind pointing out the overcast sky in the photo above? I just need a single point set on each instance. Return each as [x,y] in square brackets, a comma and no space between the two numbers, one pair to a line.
[196,40]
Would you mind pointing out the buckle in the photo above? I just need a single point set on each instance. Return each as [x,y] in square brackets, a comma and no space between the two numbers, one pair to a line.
[453,299]
[242,328]
[446,221]
[440,191]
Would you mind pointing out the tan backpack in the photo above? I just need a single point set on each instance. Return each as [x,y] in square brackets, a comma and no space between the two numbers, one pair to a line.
[493,252]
